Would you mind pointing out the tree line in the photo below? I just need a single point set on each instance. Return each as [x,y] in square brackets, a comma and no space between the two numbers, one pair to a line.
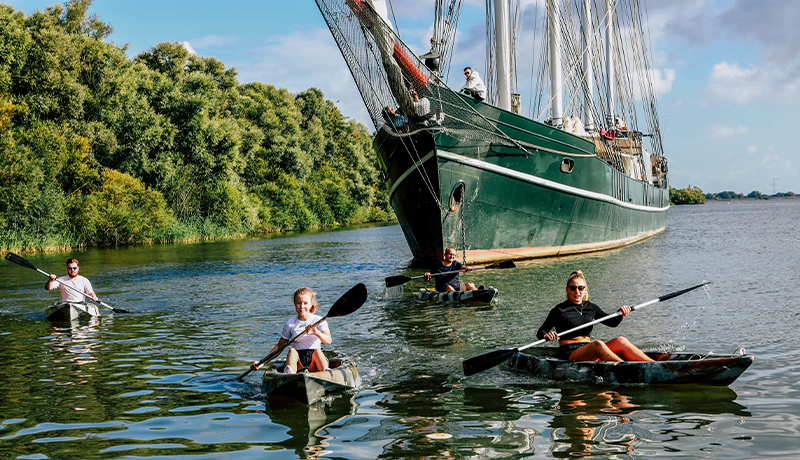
[102,149]
[694,195]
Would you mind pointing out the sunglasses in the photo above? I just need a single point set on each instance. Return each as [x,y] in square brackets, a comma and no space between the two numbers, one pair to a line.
[72,268]
[576,288]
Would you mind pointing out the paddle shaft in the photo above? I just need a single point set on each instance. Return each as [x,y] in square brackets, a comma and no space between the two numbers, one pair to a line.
[449,273]
[398,280]
[278,352]
[488,360]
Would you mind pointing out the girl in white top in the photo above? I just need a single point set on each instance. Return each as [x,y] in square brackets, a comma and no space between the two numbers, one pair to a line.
[307,350]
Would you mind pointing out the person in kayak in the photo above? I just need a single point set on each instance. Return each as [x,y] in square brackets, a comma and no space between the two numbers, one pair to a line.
[449,282]
[73,279]
[577,310]
[307,350]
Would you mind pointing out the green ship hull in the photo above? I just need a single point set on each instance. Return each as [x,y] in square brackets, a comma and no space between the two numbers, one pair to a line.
[499,185]
[554,197]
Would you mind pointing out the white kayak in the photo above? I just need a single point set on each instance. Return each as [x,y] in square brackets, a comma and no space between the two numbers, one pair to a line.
[68,311]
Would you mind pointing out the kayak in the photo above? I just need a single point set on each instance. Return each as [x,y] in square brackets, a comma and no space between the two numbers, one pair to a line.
[668,368]
[309,387]
[68,311]
[477,296]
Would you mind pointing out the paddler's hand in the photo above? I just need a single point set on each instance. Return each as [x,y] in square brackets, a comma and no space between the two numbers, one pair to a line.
[551,336]
[625,309]
[427,276]
[53,277]
[254,366]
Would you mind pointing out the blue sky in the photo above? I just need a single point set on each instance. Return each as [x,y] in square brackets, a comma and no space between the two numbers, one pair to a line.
[729,71]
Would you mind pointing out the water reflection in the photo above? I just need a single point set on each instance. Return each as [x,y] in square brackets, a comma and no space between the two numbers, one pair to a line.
[595,421]
[591,423]
[73,343]
[307,423]
[432,325]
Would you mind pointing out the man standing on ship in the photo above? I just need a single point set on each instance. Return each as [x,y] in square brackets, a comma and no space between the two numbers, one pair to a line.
[449,282]
[474,86]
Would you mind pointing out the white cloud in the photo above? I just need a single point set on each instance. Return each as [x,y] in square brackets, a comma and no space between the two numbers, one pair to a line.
[731,83]
[770,82]
[189,48]
[301,60]
[723,131]
[662,80]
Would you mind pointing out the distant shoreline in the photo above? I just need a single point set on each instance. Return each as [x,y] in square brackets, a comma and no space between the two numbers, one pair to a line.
[769,198]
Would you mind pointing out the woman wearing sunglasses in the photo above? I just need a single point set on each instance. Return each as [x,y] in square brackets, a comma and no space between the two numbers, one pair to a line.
[577,310]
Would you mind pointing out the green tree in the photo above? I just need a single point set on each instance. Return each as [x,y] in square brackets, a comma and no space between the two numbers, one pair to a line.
[689,195]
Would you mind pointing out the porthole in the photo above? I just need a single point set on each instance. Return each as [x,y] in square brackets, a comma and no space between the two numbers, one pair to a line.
[566,165]
[457,197]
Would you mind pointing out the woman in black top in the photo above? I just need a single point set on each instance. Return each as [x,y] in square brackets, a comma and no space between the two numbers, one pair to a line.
[577,310]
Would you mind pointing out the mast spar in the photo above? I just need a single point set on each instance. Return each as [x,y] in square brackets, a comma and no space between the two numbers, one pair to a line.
[554,36]
[503,54]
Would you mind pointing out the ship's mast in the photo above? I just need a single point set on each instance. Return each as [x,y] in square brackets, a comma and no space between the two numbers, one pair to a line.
[554,36]
[502,40]
[610,6]
[588,74]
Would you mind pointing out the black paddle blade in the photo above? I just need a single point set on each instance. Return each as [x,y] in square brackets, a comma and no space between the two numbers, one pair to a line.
[487,360]
[393,281]
[682,291]
[13,258]
[351,301]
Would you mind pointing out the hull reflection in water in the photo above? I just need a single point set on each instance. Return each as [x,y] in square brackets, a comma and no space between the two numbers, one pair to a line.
[306,422]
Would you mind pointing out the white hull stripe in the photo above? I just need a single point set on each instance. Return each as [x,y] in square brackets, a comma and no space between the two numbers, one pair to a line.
[478,164]
[409,171]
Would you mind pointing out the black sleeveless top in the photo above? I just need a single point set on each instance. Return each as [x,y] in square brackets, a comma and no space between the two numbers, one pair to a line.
[567,315]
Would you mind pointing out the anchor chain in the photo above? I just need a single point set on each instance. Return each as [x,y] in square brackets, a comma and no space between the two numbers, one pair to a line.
[463,232]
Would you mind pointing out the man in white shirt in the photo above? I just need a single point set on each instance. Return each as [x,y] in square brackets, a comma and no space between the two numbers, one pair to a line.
[73,280]
[474,86]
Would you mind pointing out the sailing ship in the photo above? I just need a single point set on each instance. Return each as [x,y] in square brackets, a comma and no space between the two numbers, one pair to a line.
[479,175]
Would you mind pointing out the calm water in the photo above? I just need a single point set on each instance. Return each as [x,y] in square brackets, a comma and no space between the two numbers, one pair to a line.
[159,382]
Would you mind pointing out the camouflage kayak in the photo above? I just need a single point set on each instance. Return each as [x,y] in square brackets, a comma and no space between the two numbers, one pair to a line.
[475,296]
[668,368]
[309,387]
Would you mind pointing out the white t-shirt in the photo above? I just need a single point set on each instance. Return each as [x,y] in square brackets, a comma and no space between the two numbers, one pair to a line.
[309,341]
[79,282]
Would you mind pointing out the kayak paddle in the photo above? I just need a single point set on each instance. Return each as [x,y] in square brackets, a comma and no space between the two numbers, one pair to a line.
[351,301]
[393,281]
[489,360]
[11,257]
